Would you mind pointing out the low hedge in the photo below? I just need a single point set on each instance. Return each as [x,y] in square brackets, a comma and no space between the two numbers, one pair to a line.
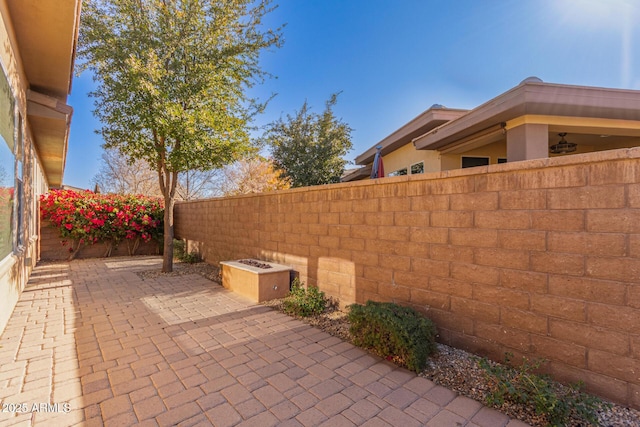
[393,331]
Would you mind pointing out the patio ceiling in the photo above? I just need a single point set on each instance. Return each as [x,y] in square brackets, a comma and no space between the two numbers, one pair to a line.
[46,32]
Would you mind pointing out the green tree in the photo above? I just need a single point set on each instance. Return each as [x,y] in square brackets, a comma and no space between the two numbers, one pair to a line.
[172,79]
[310,147]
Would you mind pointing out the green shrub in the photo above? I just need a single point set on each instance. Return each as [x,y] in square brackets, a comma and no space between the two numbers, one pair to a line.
[304,302]
[191,258]
[522,386]
[179,251]
[393,331]
[178,248]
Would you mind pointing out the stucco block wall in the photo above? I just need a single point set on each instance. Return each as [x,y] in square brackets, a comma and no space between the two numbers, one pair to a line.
[538,258]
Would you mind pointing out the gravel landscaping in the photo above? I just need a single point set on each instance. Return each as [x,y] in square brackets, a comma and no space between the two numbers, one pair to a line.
[453,368]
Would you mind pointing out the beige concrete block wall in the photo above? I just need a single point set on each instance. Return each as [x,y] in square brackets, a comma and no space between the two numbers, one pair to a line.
[52,248]
[538,258]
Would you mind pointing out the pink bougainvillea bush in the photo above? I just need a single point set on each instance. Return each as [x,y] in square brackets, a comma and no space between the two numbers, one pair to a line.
[87,218]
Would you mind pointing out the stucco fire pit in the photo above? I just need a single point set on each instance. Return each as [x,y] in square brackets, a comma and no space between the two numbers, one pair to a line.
[258,280]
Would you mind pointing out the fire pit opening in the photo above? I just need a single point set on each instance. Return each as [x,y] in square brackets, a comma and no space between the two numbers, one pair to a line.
[254,263]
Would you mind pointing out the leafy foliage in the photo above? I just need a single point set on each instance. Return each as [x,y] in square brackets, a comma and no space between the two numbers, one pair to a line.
[310,147]
[393,331]
[87,217]
[523,386]
[303,301]
[179,248]
[172,79]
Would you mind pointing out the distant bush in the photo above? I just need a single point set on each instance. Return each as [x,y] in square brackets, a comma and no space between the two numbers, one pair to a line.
[393,331]
[303,301]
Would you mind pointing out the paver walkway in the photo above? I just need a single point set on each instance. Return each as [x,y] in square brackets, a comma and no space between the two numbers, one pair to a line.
[91,343]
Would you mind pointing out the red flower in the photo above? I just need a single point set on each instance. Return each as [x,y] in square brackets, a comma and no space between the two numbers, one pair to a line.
[91,217]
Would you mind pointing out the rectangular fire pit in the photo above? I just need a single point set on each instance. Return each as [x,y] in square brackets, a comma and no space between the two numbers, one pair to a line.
[258,280]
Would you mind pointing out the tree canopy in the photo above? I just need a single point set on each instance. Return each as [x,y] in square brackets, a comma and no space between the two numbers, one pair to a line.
[172,81]
[310,147]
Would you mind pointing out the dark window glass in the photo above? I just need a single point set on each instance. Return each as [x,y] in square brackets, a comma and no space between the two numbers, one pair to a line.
[399,172]
[470,162]
[417,168]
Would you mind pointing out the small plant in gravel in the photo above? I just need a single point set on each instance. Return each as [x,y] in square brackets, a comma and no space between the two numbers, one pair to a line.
[191,258]
[180,252]
[393,331]
[521,385]
[303,301]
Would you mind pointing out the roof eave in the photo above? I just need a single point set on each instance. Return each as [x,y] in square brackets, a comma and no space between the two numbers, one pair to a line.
[46,36]
[421,124]
[50,121]
[536,98]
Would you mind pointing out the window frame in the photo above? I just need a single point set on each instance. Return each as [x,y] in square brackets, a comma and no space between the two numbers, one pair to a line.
[9,247]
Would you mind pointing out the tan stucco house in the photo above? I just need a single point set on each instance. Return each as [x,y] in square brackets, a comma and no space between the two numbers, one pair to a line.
[38,49]
[532,120]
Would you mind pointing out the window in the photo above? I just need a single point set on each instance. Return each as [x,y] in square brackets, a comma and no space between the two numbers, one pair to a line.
[417,168]
[7,166]
[19,192]
[502,160]
[470,162]
[399,172]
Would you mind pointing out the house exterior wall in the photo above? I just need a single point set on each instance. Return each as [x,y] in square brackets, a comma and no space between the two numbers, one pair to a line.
[493,151]
[407,155]
[22,176]
[539,258]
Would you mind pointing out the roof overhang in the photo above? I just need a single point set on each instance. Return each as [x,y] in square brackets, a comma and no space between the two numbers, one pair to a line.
[50,120]
[533,99]
[46,33]
[428,120]
[356,174]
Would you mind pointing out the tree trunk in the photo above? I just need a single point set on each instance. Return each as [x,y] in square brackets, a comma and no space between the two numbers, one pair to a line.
[75,251]
[132,248]
[109,248]
[167,257]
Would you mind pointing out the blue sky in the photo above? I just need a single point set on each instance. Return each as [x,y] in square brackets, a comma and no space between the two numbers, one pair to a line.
[392,59]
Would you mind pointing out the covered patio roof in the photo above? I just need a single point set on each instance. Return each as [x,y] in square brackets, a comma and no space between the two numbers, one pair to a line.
[46,33]
[574,109]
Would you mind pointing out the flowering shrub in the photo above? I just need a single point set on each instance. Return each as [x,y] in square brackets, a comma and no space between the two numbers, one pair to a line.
[87,217]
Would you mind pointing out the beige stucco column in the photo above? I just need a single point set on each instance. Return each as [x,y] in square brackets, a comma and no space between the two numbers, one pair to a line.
[528,141]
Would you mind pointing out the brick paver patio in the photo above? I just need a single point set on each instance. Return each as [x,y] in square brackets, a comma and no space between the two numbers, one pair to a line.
[91,343]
